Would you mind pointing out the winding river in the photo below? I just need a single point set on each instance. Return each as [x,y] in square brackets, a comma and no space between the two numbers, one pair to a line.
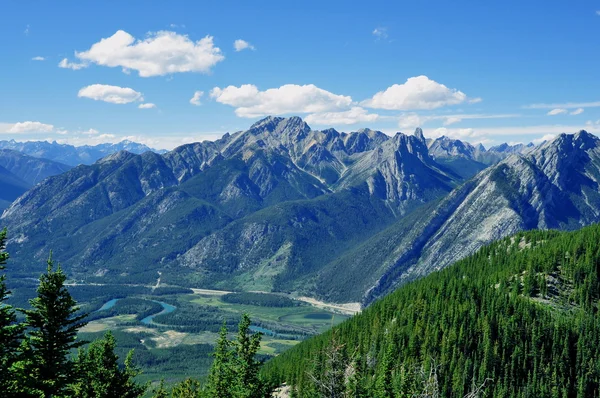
[166,309]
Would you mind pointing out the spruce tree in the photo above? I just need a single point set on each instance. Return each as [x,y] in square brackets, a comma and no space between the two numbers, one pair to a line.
[220,377]
[100,374]
[246,367]
[53,323]
[11,332]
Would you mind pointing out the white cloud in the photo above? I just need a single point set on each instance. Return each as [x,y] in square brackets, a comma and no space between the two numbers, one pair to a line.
[147,105]
[475,100]
[159,54]
[90,132]
[65,64]
[557,111]
[380,32]
[240,45]
[461,134]
[547,137]
[38,58]
[289,98]
[577,111]
[493,132]
[112,94]
[354,115]
[452,120]
[567,105]
[410,120]
[195,100]
[30,127]
[417,93]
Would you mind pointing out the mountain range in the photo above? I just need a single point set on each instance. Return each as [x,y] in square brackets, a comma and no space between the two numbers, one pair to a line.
[73,155]
[281,207]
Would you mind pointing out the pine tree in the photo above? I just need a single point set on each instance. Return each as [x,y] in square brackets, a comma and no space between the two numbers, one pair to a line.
[53,323]
[220,377]
[246,367]
[383,385]
[101,376]
[11,332]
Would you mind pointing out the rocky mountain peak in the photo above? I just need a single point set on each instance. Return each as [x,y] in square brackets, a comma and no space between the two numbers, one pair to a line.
[419,134]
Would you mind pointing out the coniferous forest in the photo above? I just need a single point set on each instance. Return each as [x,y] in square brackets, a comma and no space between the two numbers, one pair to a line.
[517,319]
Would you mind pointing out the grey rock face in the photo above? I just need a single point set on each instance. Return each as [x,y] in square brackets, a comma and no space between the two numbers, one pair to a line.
[552,186]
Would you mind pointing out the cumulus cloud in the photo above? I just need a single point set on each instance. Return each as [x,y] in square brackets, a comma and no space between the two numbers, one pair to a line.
[577,111]
[289,98]
[65,64]
[557,111]
[195,100]
[240,45]
[30,127]
[354,115]
[147,105]
[416,93]
[112,94]
[160,53]
[380,32]
[38,58]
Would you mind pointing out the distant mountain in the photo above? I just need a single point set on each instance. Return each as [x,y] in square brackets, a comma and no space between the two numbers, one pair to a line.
[263,207]
[73,155]
[461,157]
[30,169]
[11,187]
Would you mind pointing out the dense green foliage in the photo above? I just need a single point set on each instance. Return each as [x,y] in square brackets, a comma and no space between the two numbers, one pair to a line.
[100,373]
[234,372]
[517,319]
[259,299]
[10,331]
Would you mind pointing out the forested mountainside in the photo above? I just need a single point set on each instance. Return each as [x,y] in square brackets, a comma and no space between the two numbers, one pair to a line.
[519,318]
[282,207]
[73,155]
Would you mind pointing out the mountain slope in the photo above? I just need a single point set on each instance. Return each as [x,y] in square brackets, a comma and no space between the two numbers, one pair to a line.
[28,168]
[553,186]
[519,317]
[11,187]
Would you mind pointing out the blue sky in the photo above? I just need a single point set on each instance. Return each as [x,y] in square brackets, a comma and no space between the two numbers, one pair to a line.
[490,72]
